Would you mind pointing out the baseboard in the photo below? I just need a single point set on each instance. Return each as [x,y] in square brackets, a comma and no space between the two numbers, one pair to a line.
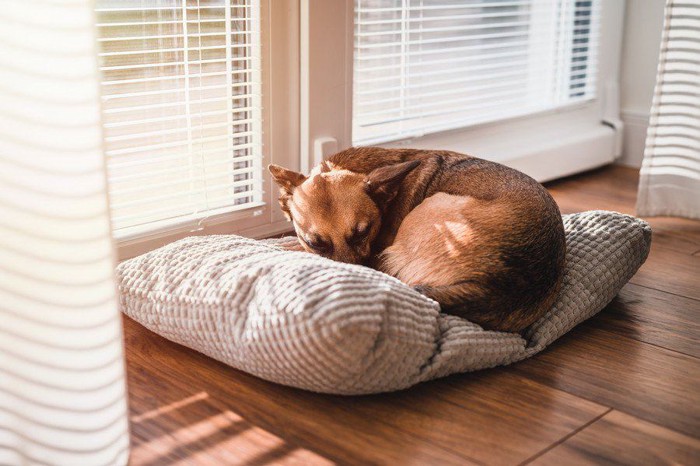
[636,124]
[544,147]
[577,152]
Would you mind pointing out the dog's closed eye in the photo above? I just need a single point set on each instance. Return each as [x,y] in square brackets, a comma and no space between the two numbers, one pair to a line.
[318,244]
[359,233]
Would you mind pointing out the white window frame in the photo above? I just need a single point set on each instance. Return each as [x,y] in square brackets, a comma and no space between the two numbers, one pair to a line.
[280,139]
[307,72]
[545,145]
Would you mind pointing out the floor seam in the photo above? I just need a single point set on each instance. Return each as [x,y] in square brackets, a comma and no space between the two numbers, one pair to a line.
[601,326]
[662,291]
[565,438]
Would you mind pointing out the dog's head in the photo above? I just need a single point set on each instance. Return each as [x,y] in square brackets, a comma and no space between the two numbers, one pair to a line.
[338,213]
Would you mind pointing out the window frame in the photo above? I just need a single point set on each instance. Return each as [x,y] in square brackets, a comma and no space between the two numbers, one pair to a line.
[280,139]
[307,73]
[589,133]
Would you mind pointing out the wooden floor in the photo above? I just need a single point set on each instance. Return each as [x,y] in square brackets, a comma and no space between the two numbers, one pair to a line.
[622,388]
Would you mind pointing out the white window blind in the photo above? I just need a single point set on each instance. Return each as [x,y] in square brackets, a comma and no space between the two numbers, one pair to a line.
[181,110]
[423,66]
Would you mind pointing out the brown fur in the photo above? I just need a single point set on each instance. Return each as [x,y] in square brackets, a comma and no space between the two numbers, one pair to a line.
[482,239]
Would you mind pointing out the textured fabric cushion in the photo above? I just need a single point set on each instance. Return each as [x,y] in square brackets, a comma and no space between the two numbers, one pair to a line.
[309,322]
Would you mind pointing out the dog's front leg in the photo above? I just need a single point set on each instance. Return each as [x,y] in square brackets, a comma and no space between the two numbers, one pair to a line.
[294,246]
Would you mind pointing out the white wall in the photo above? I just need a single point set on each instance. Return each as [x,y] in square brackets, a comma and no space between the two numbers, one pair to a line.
[640,51]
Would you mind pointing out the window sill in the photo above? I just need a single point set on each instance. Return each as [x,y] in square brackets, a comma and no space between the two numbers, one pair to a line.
[545,147]
[229,224]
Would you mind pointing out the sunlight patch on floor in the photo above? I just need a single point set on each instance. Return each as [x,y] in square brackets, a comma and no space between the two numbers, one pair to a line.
[225,438]
[168,408]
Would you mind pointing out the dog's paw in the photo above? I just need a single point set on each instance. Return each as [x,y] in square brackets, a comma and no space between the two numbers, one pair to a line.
[424,290]
[295,246]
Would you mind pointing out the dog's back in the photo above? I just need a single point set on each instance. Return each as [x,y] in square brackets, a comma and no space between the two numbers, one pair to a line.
[485,241]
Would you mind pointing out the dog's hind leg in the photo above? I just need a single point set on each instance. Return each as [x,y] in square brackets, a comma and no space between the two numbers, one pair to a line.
[445,249]
[469,301]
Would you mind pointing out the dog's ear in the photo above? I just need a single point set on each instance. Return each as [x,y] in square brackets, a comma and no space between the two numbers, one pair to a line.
[383,183]
[325,168]
[287,180]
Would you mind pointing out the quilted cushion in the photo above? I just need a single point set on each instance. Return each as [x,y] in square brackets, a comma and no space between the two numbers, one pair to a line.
[302,320]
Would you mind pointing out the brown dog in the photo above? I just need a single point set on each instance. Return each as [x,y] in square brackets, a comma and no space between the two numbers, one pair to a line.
[482,239]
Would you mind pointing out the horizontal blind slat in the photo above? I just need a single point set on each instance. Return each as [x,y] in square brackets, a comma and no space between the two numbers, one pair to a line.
[168,36]
[449,6]
[163,132]
[173,211]
[383,22]
[176,49]
[219,174]
[154,197]
[182,158]
[170,118]
[172,145]
[167,8]
[162,78]
[450,92]
[422,84]
[451,50]
[177,104]
[164,22]
[124,95]
[471,27]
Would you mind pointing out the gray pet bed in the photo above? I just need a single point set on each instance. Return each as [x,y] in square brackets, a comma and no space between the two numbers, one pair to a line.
[309,322]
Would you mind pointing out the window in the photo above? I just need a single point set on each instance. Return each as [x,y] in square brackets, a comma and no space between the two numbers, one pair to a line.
[192,90]
[424,66]
[182,119]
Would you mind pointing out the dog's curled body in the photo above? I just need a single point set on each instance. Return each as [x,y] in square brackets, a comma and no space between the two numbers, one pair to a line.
[484,240]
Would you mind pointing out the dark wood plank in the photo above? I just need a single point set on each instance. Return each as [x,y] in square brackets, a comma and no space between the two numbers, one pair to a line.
[187,408]
[166,428]
[680,235]
[615,188]
[489,417]
[462,419]
[655,317]
[670,271]
[607,188]
[161,372]
[206,434]
[673,265]
[611,180]
[618,438]
[643,380]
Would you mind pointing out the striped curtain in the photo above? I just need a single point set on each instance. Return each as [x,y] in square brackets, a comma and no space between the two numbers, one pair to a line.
[670,175]
[62,387]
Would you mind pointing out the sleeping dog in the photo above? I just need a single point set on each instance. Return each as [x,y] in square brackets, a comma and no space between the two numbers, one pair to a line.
[483,240]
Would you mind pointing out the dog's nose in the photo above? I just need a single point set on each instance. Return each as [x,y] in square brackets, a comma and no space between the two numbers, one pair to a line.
[347,255]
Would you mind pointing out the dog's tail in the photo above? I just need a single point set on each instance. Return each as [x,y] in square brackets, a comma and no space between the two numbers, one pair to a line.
[472,301]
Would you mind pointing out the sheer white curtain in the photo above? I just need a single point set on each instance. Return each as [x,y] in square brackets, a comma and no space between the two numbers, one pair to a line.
[62,387]
[670,175]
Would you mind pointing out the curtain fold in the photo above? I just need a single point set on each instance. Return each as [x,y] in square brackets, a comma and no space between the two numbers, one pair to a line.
[62,386]
[670,175]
